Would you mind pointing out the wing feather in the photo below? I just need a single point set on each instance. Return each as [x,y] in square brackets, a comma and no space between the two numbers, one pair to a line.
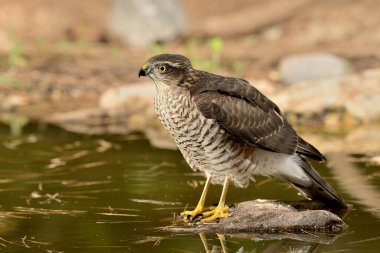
[249,116]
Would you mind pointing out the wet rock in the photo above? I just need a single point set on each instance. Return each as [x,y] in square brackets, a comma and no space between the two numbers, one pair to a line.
[143,22]
[271,218]
[312,66]
[358,95]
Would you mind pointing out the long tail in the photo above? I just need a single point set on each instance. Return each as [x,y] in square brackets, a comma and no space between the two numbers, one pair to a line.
[319,188]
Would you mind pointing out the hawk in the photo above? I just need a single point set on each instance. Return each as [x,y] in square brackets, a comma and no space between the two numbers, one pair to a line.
[229,130]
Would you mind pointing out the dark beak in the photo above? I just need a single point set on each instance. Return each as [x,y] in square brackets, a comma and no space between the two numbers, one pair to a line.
[142,72]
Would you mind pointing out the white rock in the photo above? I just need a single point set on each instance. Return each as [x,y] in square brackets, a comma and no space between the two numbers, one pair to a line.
[312,66]
[134,103]
[119,97]
[143,22]
[12,101]
[358,94]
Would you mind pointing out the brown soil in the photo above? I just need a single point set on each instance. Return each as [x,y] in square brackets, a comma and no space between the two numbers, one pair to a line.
[67,59]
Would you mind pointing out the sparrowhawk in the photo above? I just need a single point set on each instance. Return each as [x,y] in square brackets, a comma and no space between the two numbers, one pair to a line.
[229,130]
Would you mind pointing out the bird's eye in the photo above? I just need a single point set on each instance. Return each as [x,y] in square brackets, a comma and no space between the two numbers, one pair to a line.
[162,68]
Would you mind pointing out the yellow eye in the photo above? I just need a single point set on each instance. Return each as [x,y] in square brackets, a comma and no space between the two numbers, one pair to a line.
[162,68]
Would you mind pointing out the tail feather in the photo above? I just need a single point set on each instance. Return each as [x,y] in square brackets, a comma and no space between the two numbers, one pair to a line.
[319,188]
[308,150]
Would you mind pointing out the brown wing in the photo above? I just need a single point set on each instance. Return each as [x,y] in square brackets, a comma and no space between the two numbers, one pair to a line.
[249,116]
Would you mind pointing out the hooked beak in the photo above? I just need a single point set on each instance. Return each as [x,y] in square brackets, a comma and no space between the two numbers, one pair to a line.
[144,70]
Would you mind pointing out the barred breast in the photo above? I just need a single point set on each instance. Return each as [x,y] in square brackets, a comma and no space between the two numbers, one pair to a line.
[203,143]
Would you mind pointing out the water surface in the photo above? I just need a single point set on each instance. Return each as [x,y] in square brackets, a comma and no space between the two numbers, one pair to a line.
[63,192]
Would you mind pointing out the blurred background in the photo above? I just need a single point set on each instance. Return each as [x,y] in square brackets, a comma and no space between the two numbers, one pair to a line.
[76,120]
[60,60]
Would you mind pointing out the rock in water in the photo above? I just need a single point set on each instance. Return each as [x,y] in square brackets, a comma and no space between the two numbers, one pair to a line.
[143,22]
[312,66]
[272,218]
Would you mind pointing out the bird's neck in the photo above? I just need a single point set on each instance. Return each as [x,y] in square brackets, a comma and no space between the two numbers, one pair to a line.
[166,90]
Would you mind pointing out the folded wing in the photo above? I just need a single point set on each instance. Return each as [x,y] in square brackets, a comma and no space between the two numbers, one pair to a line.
[247,115]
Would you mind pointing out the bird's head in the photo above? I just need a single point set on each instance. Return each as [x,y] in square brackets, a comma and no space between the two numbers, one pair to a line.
[167,70]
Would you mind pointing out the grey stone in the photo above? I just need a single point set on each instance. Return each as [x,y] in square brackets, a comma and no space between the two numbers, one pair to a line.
[312,66]
[143,22]
[270,219]
[356,94]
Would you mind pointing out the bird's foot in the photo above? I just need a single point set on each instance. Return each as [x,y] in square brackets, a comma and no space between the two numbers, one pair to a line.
[215,214]
[196,214]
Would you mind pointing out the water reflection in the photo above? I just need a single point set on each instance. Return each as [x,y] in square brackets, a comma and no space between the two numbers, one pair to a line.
[354,182]
[277,246]
[63,192]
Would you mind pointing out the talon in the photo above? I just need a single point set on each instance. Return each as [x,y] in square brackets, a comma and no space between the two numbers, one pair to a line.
[216,214]
[199,215]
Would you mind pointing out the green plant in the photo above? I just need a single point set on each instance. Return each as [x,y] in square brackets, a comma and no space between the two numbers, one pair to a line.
[64,45]
[82,43]
[15,57]
[191,45]
[157,48]
[41,44]
[5,80]
[216,45]
[238,67]
[16,124]
[114,50]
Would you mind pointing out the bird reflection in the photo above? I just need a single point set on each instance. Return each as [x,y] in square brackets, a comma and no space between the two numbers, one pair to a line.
[214,249]
[278,246]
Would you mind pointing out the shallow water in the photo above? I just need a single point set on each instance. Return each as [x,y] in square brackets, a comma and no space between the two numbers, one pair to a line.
[63,192]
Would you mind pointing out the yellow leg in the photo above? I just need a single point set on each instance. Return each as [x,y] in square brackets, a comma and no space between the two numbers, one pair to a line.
[223,243]
[188,215]
[221,211]
[204,242]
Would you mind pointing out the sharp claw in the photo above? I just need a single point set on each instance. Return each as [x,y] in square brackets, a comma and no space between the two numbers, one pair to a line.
[199,215]
[207,214]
